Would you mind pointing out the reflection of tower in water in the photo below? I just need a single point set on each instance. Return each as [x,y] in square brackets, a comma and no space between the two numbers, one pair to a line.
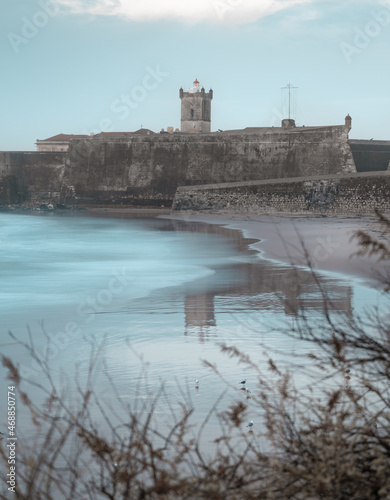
[264,288]
[199,314]
[301,294]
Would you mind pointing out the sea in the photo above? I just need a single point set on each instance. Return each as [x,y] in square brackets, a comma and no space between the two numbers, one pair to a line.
[140,310]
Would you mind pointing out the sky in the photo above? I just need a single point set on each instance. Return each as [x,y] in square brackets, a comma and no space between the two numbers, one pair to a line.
[85,66]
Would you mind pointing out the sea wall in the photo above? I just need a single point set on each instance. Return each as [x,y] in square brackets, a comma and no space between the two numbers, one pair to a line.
[132,171]
[351,194]
[370,156]
[147,170]
[269,153]
[31,176]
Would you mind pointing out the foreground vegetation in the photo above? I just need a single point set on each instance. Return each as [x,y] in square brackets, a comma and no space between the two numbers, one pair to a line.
[328,442]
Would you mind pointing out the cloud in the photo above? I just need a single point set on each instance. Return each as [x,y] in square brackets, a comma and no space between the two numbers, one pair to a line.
[215,11]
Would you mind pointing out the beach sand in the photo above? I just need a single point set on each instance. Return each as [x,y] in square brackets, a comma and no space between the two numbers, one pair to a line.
[326,241]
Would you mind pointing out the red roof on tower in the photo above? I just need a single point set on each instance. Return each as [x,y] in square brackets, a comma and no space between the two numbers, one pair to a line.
[196,82]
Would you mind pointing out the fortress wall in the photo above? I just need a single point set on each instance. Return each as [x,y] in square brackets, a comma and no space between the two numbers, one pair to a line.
[148,169]
[28,176]
[269,154]
[139,171]
[12,186]
[370,155]
[351,194]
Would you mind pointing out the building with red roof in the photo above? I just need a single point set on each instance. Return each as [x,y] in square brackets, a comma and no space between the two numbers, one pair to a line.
[59,142]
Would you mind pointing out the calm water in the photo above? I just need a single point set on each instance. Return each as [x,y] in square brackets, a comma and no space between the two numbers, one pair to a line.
[164,291]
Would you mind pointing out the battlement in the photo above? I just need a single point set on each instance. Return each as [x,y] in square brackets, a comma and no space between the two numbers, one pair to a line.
[201,94]
[143,169]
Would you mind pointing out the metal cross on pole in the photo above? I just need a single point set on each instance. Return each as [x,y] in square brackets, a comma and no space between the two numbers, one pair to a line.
[289,87]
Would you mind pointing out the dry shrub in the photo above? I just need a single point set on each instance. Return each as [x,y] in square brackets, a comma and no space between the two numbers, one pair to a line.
[329,443]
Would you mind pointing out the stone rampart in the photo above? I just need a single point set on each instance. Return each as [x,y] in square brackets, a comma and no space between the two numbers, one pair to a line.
[269,153]
[147,170]
[29,176]
[351,194]
[370,156]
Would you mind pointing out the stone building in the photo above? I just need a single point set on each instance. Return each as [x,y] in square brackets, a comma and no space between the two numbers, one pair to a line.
[58,142]
[195,109]
[122,135]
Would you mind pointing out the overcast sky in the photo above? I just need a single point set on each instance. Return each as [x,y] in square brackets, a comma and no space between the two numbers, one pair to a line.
[82,66]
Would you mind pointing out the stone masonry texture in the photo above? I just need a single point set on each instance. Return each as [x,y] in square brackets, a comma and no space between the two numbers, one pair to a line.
[148,170]
[353,194]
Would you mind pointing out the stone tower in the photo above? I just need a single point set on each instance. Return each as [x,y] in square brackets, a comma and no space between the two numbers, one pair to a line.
[196,109]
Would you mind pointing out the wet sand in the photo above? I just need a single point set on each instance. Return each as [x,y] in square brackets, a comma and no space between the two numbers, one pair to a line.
[126,212]
[326,242]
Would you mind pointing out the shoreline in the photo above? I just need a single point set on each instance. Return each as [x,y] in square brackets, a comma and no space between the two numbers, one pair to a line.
[291,240]
[282,239]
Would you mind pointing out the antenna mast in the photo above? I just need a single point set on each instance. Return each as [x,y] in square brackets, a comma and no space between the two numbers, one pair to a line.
[289,87]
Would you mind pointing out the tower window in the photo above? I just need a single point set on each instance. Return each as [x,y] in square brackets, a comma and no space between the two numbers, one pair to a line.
[192,113]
